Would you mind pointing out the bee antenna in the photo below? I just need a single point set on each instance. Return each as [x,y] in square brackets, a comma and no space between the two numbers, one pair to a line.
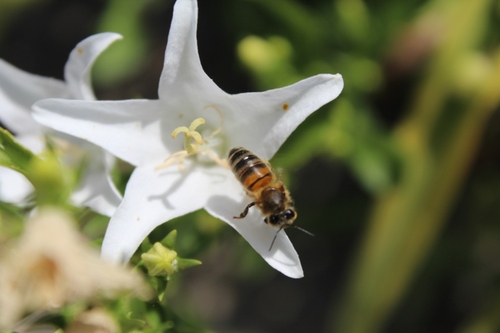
[303,230]
[293,226]
[275,235]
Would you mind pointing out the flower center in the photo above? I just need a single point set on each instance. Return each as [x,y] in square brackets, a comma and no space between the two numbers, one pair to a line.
[193,140]
[190,133]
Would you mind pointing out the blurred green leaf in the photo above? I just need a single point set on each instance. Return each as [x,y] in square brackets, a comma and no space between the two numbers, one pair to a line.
[13,155]
[51,181]
[187,263]
[169,240]
[53,184]
[407,219]
[305,26]
[350,11]
[125,58]
[269,59]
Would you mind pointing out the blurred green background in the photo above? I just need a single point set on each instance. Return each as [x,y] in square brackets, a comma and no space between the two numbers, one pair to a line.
[398,178]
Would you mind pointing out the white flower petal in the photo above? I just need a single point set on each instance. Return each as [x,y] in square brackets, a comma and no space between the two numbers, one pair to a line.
[282,256]
[153,197]
[268,118]
[14,187]
[183,76]
[18,91]
[97,190]
[79,65]
[132,130]
[35,143]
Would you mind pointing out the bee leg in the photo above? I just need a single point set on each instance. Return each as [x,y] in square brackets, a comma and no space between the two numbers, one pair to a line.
[245,211]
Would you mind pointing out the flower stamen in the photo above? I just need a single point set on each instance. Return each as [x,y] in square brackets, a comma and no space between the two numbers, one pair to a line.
[219,129]
[190,133]
[190,147]
[177,157]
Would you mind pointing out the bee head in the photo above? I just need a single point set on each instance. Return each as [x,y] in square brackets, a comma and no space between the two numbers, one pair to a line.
[283,219]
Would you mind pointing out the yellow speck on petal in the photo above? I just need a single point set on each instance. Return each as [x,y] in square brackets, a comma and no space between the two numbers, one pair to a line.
[79,50]
[285,107]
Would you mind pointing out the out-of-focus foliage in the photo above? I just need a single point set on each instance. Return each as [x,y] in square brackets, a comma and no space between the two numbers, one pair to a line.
[414,170]
[52,183]
[350,132]
[399,178]
[122,61]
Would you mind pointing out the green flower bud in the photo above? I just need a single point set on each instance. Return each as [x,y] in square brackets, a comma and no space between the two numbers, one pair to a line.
[160,260]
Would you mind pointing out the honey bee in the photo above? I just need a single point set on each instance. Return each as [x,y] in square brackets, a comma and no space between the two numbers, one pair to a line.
[265,188]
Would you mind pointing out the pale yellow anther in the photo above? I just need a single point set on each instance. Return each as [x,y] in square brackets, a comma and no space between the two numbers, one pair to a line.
[190,147]
[190,133]
[181,129]
[197,137]
[195,123]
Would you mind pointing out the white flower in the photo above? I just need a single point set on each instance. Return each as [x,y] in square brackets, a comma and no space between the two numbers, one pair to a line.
[140,132]
[95,320]
[20,90]
[52,265]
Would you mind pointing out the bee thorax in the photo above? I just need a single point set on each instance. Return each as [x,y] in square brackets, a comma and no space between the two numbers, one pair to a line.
[272,200]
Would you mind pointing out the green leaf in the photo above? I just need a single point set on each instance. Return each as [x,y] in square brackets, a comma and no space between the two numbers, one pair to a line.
[305,26]
[186,263]
[13,155]
[52,183]
[124,59]
[169,240]
[161,286]
[146,245]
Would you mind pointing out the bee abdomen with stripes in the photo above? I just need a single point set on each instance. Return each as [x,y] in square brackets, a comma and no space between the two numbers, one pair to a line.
[252,172]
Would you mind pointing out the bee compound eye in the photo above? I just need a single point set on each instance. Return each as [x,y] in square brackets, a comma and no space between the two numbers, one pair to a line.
[289,214]
[273,219]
